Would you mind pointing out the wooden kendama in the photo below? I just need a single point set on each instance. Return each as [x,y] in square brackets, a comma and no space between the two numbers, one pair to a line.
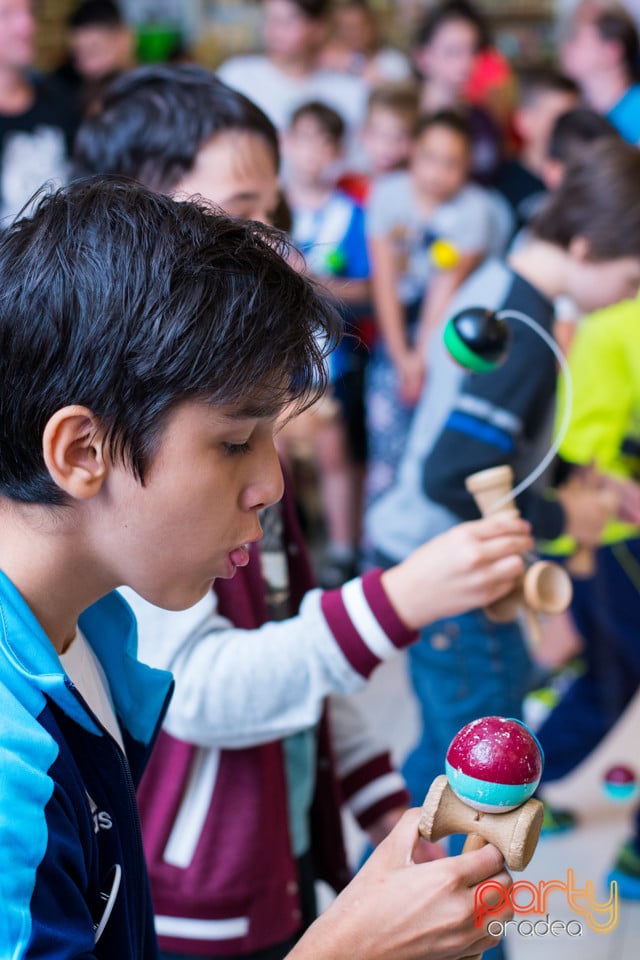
[478,340]
[545,587]
[493,766]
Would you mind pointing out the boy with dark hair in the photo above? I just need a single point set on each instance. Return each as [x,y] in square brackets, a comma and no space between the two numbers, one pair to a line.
[179,129]
[101,45]
[571,132]
[250,718]
[136,449]
[545,94]
[122,314]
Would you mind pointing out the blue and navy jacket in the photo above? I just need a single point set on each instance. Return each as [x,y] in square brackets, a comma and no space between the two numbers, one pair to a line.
[73,882]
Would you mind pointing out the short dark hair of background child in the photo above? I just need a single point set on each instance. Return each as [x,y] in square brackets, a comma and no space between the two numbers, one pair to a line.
[130,124]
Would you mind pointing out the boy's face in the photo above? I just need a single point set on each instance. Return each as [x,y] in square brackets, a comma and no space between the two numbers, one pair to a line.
[198,508]
[235,170]
[99,51]
[535,121]
[354,28]
[17,33]
[387,139]
[287,32]
[448,59]
[311,152]
[439,164]
[595,284]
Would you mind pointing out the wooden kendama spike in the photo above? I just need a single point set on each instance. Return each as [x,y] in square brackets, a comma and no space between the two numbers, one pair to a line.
[545,587]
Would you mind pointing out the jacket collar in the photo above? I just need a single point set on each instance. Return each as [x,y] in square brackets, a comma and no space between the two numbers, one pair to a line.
[30,665]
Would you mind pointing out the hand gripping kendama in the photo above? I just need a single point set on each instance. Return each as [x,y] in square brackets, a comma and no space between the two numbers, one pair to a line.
[493,766]
[545,587]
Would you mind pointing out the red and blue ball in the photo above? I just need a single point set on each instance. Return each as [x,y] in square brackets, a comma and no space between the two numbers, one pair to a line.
[620,784]
[494,764]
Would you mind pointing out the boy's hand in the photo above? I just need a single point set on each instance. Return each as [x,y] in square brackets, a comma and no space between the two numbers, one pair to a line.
[469,566]
[400,909]
[587,509]
[628,494]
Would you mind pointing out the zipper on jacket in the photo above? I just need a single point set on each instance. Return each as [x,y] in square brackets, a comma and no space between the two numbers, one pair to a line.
[133,816]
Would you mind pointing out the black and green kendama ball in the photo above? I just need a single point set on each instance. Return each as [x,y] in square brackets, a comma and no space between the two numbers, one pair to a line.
[477,339]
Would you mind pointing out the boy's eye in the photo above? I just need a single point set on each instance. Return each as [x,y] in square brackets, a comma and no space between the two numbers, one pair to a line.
[233,449]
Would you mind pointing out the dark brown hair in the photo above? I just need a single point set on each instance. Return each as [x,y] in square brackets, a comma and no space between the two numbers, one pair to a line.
[453,11]
[616,25]
[313,9]
[398,96]
[328,119]
[598,199]
[451,120]
[534,81]
[574,129]
[130,303]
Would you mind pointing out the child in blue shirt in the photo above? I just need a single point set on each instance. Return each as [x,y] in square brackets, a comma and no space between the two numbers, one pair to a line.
[121,316]
[147,348]
[328,229]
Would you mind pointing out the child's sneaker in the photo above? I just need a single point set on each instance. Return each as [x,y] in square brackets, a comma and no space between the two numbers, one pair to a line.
[557,821]
[626,871]
[549,691]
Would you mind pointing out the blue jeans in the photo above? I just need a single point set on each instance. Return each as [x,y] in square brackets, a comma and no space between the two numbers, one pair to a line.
[461,669]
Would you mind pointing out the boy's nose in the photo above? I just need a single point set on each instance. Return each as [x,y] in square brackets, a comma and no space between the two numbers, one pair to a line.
[269,487]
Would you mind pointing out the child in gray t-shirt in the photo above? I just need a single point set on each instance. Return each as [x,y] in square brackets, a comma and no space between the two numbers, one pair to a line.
[427,228]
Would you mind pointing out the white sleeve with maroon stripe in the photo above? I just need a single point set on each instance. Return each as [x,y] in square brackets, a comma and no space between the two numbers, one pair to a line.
[239,688]
[370,784]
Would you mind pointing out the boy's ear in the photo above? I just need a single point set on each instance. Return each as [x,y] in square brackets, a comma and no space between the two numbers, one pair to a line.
[73,450]
[580,249]
[421,60]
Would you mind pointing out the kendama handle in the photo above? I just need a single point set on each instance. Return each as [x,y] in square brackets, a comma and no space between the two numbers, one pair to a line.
[474,842]
[545,587]
[490,489]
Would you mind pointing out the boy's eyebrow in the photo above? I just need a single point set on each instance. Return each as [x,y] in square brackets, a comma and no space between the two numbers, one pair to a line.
[254,410]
